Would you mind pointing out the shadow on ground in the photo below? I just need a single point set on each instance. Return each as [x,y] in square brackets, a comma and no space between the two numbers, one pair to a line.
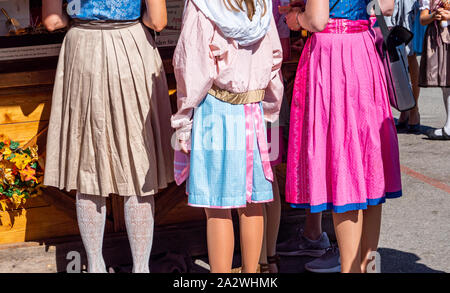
[396,261]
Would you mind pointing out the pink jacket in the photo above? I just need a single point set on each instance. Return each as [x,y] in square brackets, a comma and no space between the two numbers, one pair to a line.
[204,57]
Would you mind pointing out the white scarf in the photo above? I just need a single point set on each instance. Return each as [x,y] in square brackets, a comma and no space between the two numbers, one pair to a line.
[237,25]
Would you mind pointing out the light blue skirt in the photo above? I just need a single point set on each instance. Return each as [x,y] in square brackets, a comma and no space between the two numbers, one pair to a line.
[218,158]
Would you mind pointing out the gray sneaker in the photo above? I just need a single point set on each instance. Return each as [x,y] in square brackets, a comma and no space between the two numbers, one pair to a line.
[330,262]
[301,245]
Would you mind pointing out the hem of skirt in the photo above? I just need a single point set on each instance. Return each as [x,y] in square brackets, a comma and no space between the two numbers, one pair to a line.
[348,207]
[90,192]
[228,207]
[234,202]
[433,86]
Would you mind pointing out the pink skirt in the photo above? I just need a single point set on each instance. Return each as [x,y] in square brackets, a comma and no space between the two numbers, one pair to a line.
[343,149]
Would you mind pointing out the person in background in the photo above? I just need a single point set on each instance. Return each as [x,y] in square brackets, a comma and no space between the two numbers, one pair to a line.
[405,12]
[227,65]
[343,148]
[109,128]
[434,64]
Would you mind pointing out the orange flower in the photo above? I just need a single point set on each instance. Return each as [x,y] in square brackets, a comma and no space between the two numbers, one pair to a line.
[28,174]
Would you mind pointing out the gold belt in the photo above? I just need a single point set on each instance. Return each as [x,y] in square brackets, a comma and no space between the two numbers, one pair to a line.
[237,98]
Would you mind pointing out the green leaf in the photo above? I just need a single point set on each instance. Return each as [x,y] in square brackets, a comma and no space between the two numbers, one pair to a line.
[2,144]
[27,151]
[34,165]
[14,145]
[12,156]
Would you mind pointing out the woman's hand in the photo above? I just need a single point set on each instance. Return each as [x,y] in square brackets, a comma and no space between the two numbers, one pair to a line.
[426,18]
[184,146]
[155,16]
[443,14]
[292,19]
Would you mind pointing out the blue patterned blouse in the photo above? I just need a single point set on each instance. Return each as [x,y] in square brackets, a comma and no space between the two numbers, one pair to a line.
[104,9]
[350,9]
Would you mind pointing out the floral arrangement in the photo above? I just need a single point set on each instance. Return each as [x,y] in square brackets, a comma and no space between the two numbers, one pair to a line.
[20,174]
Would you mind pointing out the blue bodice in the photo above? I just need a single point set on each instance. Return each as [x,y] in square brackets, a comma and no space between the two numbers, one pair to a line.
[350,9]
[104,9]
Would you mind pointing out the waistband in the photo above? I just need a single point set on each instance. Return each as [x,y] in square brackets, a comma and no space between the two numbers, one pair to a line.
[237,98]
[103,24]
[346,26]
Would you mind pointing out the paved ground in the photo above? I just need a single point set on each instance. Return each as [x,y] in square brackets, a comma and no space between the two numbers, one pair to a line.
[415,233]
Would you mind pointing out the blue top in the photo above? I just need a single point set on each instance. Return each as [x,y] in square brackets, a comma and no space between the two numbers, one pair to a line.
[104,9]
[350,9]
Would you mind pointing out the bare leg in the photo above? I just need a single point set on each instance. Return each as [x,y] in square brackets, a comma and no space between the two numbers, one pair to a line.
[313,225]
[91,215]
[273,223]
[251,225]
[370,234]
[414,117]
[139,211]
[348,228]
[263,256]
[220,237]
[271,214]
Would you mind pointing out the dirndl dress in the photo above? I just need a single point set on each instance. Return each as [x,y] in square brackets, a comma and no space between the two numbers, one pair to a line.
[109,129]
[229,159]
[343,149]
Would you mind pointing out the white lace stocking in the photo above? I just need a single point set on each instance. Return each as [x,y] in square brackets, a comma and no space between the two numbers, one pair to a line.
[91,215]
[139,211]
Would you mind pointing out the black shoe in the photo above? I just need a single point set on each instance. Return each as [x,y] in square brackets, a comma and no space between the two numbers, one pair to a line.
[414,129]
[402,126]
[432,135]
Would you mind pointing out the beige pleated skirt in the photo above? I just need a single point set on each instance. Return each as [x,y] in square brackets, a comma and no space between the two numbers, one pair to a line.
[109,130]
[435,60]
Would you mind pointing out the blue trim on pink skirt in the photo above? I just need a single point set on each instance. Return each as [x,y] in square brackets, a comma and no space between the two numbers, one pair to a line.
[348,207]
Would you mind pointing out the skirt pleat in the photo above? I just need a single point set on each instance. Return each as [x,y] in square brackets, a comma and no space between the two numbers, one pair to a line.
[109,130]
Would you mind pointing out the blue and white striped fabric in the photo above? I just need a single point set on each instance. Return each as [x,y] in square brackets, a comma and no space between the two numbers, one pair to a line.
[218,158]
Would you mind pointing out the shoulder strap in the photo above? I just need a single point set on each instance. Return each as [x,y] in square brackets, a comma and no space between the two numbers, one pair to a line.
[381,21]
[334,6]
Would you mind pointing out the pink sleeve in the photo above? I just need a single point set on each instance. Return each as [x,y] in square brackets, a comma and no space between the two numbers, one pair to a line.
[274,92]
[194,67]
